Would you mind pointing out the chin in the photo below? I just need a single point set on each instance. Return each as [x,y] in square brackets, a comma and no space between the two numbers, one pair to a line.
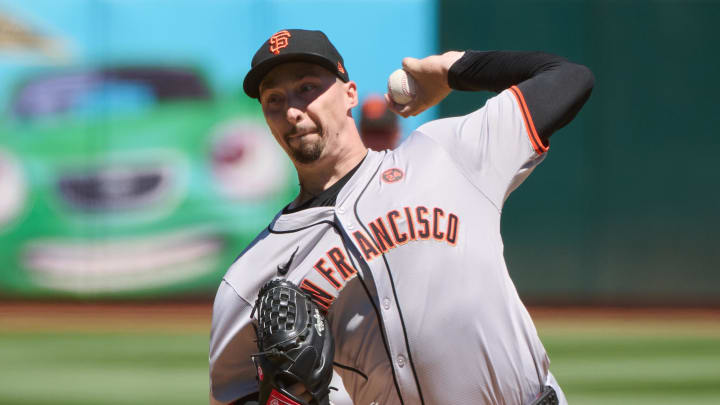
[308,153]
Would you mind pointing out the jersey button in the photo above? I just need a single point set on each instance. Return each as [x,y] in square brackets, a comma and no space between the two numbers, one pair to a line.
[386,303]
[401,361]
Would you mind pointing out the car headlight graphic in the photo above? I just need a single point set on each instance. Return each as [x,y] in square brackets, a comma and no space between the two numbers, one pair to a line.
[247,162]
[13,188]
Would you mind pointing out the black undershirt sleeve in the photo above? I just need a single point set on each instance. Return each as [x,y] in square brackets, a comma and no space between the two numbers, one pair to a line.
[554,88]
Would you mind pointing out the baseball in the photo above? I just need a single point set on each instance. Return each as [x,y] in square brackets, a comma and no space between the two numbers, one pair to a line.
[401,87]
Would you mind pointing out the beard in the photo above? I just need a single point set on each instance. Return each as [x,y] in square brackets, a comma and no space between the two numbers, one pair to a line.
[307,151]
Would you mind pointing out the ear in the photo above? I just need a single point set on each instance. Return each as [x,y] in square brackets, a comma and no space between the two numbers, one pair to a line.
[351,92]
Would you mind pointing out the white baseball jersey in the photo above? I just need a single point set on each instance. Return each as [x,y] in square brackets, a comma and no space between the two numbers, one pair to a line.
[409,265]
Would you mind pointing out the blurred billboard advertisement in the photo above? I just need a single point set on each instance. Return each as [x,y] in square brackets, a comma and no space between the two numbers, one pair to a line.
[131,162]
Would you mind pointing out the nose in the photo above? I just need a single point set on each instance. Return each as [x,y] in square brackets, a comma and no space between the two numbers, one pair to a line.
[294,115]
[295,110]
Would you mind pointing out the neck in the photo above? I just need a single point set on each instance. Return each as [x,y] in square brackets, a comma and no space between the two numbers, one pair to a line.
[326,171]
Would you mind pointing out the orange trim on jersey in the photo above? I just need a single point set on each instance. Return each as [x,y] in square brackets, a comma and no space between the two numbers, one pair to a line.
[535,140]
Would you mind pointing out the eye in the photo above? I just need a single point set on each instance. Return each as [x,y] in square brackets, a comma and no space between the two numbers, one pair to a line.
[306,87]
[273,99]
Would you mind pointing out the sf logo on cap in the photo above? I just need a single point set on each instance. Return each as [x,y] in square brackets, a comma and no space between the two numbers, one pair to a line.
[278,41]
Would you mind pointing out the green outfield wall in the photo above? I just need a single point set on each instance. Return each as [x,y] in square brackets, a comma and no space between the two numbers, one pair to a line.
[625,209]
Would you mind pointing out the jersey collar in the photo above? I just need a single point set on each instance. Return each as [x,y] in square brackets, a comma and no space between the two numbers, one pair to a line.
[346,198]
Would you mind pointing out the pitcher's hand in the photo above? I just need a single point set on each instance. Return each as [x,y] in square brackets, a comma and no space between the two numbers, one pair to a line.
[431,81]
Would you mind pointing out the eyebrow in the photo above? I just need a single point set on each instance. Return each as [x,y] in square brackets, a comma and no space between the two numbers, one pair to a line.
[298,75]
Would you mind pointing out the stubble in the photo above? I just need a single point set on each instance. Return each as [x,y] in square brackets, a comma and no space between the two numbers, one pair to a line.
[308,150]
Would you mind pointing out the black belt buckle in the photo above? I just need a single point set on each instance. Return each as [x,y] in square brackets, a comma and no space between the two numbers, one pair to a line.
[547,397]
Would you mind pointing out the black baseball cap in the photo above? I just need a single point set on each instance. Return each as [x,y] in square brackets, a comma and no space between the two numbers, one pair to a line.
[293,45]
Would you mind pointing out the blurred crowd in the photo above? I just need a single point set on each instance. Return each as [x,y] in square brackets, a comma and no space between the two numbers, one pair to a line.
[379,127]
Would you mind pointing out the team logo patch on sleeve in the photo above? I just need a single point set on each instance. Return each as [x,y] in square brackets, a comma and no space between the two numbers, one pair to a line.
[392,175]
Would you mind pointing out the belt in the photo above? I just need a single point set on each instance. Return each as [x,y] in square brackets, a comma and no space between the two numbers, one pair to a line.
[546,397]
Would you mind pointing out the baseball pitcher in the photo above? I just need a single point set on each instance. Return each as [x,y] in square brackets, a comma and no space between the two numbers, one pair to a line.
[388,267]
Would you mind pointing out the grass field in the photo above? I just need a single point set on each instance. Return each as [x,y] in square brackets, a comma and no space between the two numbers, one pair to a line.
[157,354]
[642,358]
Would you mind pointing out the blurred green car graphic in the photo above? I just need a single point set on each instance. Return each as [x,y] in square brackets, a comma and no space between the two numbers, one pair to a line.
[131,182]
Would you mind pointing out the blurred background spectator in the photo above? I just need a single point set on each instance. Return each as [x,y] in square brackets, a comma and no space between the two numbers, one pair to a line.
[379,127]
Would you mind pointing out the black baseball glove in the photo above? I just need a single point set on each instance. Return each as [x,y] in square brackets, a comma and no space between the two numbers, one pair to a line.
[295,345]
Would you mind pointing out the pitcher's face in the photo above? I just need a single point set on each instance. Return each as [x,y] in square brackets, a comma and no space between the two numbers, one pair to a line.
[306,107]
